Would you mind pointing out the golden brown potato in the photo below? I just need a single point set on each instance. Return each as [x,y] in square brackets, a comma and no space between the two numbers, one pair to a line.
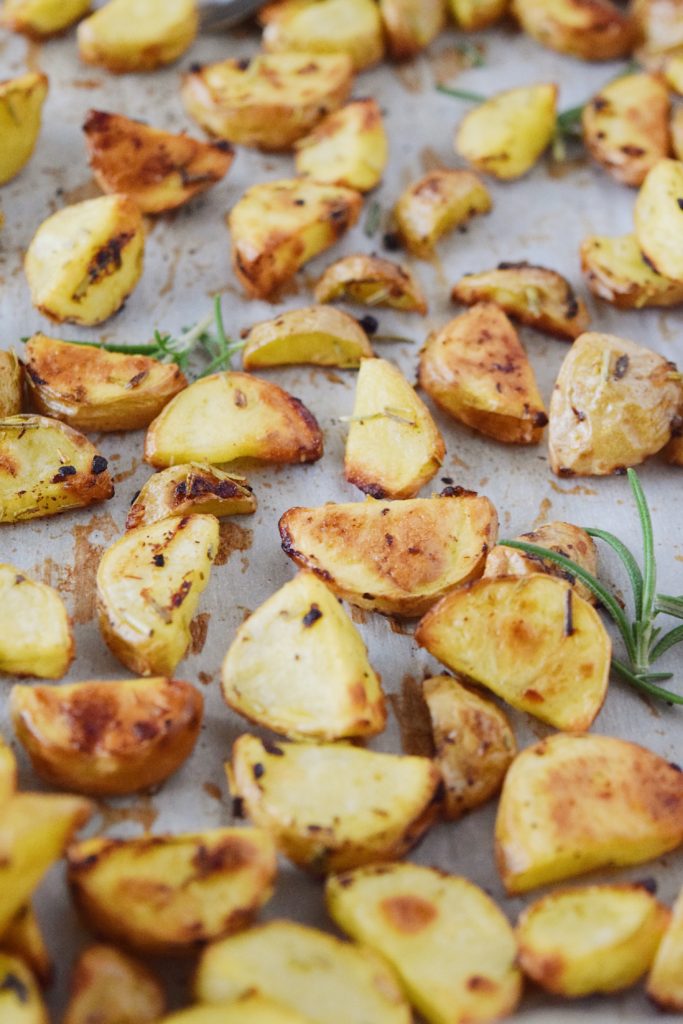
[660,27]
[665,981]
[11,387]
[249,1010]
[452,948]
[616,270]
[397,557]
[590,29]
[673,451]
[36,637]
[313,974]
[8,772]
[597,939]
[673,74]
[349,147]
[109,987]
[172,893]
[278,226]
[473,740]
[21,104]
[613,404]
[40,19]
[316,334]
[47,467]
[564,538]
[371,281]
[353,27]
[84,261]
[535,296]
[676,126]
[148,587]
[230,416]
[472,15]
[20,999]
[506,135]
[435,204]
[477,370]
[270,100]
[158,170]
[137,35]
[107,738]
[334,806]
[571,804]
[298,666]
[411,25]
[393,446]
[193,487]
[658,218]
[24,939]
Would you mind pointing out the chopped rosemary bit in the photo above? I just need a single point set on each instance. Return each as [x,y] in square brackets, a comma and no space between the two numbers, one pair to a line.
[373,219]
[388,413]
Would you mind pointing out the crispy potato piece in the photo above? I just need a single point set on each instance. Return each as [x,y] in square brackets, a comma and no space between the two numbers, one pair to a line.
[36,637]
[269,101]
[371,281]
[278,226]
[169,894]
[334,806]
[590,29]
[250,1010]
[20,999]
[393,445]
[397,558]
[21,104]
[349,147]
[11,386]
[474,743]
[616,270]
[230,416]
[137,35]
[326,980]
[535,296]
[551,655]
[84,261]
[193,487]
[40,19]
[658,218]
[158,170]
[571,804]
[109,987]
[35,830]
[298,666]
[451,946]
[660,26]
[411,25]
[24,939]
[596,939]
[91,389]
[472,15]
[8,770]
[507,134]
[477,370]
[353,27]
[148,587]
[673,451]
[665,981]
[564,538]
[437,203]
[46,467]
[316,334]
[107,738]
[613,404]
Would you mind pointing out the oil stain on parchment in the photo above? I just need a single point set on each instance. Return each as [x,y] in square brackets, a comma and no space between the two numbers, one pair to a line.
[87,556]
[412,715]
[142,812]
[199,627]
[233,537]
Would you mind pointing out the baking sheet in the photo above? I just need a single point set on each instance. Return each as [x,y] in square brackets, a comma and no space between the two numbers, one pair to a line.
[541,218]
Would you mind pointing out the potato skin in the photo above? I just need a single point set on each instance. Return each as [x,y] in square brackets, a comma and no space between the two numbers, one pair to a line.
[129,35]
[435,204]
[564,538]
[590,29]
[353,27]
[665,981]
[194,487]
[372,281]
[110,987]
[21,104]
[11,384]
[616,271]
[37,639]
[348,147]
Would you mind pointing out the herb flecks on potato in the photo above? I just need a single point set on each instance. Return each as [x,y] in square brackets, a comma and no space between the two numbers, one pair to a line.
[187,488]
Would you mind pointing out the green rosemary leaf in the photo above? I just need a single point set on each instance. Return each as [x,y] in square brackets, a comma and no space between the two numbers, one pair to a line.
[666,605]
[373,219]
[669,640]
[461,94]
[641,684]
[630,564]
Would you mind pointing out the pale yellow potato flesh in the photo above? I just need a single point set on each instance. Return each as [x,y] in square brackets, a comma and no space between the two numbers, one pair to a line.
[40,19]
[665,980]
[20,998]
[319,335]
[660,26]
[472,15]
[589,29]
[658,218]
[21,104]
[187,488]
[36,637]
[371,281]
[11,384]
[349,147]
[353,27]
[673,73]
[249,1010]
[137,35]
[411,25]
[24,939]
[110,987]
[564,538]
[616,271]
[436,204]
[8,772]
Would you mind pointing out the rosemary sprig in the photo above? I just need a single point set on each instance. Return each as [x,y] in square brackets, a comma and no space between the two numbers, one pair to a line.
[641,637]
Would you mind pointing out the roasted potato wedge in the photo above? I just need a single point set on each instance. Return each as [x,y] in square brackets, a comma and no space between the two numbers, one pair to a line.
[36,637]
[109,987]
[269,101]
[84,261]
[316,334]
[326,980]
[137,35]
[411,25]
[564,538]
[193,487]
[535,296]
[230,416]
[571,804]
[21,104]
[473,15]
[11,385]
[665,981]
[250,1010]
[158,170]
[393,446]
[659,218]
[673,74]
[40,19]
[506,135]
[46,467]
[107,738]
[597,939]
[20,998]
[477,370]
[172,893]
[660,26]
[474,744]
[334,806]
[397,558]
[371,281]
[590,29]
[277,226]
[353,27]
[8,771]
[616,270]
[349,147]
[452,948]
[91,389]
[531,640]
[24,939]
[613,404]
[437,203]
[148,587]
[298,666]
